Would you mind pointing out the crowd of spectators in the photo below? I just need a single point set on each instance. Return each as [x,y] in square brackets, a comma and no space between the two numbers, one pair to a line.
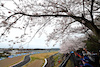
[85,58]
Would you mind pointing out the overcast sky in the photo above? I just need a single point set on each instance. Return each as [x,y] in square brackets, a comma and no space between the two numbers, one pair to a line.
[37,42]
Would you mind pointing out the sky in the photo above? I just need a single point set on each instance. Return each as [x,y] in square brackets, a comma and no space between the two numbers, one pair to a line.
[37,42]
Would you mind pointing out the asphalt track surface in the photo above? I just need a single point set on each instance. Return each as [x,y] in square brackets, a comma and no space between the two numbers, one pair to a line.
[26,60]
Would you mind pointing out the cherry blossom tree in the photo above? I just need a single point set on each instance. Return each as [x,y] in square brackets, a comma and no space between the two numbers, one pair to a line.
[72,44]
[61,14]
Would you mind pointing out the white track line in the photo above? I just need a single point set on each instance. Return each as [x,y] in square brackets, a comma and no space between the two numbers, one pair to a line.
[45,62]
[16,64]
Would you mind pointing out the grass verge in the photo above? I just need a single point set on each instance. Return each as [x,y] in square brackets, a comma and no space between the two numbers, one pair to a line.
[56,59]
[40,56]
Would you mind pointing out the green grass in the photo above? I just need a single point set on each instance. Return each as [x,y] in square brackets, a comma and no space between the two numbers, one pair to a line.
[56,58]
[40,56]
[69,64]
[33,58]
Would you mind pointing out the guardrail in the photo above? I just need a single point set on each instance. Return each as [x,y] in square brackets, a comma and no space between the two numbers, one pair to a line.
[63,64]
[11,56]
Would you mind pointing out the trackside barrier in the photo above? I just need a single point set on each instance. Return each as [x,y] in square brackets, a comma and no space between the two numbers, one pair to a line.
[11,56]
[63,64]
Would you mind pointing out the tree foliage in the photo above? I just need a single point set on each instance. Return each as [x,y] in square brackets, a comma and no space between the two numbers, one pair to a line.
[93,44]
[62,14]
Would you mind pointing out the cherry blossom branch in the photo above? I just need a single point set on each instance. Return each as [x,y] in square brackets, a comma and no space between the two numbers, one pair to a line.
[82,20]
[75,17]
[67,26]
[10,26]
[38,31]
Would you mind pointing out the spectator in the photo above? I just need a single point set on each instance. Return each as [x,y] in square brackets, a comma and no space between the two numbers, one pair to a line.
[73,58]
[88,54]
[77,59]
[85,64]
[85,61]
